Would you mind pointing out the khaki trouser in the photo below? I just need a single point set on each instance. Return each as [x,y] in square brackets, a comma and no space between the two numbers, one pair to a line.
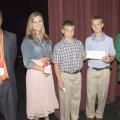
[97,86]
[71,97]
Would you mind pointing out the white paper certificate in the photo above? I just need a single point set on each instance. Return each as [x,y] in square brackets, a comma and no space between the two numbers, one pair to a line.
[92,54]
[47,69]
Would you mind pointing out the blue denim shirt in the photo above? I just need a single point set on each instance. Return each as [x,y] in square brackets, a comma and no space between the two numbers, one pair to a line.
[34,50]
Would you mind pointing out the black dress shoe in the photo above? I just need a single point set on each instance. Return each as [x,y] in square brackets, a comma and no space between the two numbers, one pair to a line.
[90,118]
[98,118]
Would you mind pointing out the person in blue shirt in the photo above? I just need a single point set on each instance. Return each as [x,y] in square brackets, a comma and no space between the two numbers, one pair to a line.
[98,73]
[36,50]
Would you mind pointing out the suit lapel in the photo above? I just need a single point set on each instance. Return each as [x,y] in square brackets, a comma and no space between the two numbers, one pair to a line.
[6,44]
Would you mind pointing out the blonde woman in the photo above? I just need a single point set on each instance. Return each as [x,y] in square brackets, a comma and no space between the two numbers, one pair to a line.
[36,50]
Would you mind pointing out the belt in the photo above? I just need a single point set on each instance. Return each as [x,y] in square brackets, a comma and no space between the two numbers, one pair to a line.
[101,68]
[72,72]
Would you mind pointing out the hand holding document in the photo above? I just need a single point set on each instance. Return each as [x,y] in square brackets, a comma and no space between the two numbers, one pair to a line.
[47,69]
[64,90]
[92,54]
[47,66]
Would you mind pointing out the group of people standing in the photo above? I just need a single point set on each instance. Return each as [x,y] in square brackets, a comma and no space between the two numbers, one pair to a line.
[67,56]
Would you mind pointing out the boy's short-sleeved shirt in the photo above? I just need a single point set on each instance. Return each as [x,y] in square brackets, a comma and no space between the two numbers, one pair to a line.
[69,56]
[104,43]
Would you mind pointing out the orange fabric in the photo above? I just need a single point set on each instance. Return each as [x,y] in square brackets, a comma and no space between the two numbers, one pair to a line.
[2,59]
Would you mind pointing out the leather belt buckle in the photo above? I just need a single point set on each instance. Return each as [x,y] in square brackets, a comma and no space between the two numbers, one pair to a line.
[101,68]
[72,72]
[75,72]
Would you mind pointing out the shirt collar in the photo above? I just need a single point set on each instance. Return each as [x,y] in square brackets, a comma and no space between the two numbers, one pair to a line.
[64,40]
[101,38]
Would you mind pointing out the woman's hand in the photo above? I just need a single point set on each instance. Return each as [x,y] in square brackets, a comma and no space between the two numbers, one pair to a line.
[46,59]
[46,74]
[39,68]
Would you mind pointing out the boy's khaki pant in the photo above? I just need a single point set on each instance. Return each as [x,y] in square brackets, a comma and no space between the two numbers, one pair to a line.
[71,97]
[97,86]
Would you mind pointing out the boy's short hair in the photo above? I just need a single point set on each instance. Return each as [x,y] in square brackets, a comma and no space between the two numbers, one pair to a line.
[97,18]
[68,23]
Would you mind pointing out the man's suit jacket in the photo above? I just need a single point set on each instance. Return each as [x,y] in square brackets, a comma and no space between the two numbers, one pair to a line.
[8,91]
[10,49]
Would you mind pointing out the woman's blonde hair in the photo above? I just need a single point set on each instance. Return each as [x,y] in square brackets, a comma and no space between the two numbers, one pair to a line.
[30,31]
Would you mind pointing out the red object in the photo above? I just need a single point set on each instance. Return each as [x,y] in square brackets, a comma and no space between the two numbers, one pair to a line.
[1,64]
[46,64]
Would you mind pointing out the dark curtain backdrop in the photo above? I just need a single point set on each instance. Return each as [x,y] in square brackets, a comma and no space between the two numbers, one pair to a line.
[80,11]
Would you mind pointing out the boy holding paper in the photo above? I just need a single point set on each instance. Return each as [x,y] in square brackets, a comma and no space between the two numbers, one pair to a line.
[100,53]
